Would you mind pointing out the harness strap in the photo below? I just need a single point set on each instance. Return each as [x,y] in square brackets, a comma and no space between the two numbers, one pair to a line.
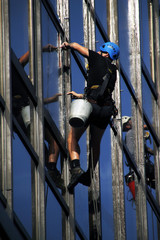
[104,84]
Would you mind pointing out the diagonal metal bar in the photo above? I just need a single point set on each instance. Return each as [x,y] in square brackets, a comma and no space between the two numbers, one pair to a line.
[25,141]
[153,203]
[25,81]
[131,161]
[8,229]
[98,22]
[2,103]
[79,232]
[151,129]
[56,193]
[128,84]
[133,94]
[3,199]
[20,227]
[54,18]
[55,132]
[149,79]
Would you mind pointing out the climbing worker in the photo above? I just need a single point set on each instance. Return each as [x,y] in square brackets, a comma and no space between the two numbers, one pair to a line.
[100,85]
[129,139]
[21,110]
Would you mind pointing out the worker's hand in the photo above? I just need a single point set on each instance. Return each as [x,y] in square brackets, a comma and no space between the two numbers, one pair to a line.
[145,127]
[65,46]
[75,95]
[49,48]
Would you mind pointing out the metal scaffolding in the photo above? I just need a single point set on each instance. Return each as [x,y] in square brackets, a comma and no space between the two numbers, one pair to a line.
[11,227]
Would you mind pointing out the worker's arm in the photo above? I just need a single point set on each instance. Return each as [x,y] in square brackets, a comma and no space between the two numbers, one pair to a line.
[77,47]
[75,95]
[25,58]
[52,99]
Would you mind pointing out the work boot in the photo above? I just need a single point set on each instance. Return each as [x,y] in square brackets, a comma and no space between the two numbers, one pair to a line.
[76,174]
[56,177]
[85,179]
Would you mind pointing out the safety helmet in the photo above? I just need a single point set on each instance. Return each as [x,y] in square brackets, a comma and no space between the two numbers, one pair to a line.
[111,48]
[125,119]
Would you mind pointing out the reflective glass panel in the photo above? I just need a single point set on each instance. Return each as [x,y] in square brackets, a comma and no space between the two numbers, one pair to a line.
[22,198]
[53,216]
[50,67]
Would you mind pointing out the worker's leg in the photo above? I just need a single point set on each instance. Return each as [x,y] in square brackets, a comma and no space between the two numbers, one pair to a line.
[73,139]
[95,140]
[52,161]
[74,151]
[53,151]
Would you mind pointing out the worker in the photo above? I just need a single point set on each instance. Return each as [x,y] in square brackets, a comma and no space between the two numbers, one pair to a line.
[100,85]
[129,139]
[21,110]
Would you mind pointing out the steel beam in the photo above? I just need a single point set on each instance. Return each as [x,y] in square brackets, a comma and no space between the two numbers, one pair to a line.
[94,197]
[153,7]
[6,127]
[37,121]
[135,70]
[68,223]
[116,143]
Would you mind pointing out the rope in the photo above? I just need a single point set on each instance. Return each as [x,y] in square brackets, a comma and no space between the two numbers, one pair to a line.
[93,187]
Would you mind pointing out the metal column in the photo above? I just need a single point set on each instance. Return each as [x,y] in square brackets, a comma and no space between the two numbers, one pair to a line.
[137,119]
[37,123]
[94,190]
[116,141]
[155,73]
[68,225]
[6,127]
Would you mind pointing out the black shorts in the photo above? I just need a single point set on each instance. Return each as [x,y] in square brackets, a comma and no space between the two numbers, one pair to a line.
[100,115]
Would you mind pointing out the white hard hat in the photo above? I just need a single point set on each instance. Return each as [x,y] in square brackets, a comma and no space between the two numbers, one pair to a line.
[125,119]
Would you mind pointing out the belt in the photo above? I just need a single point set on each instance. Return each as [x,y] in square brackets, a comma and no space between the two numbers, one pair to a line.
[104,104]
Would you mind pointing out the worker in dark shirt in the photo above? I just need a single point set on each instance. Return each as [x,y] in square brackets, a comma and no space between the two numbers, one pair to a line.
[100,85]
[21,110]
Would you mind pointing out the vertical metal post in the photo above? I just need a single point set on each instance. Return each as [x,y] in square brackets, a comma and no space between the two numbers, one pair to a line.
[68,223]
[1,92]
[137,119]
[7,185]
[37,123]
[155,72]
[116,141]
[94,189]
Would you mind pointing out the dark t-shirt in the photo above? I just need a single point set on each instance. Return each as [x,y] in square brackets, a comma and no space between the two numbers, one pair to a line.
[98,67]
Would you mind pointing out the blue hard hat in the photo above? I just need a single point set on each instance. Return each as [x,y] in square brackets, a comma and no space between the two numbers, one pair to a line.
[111,48]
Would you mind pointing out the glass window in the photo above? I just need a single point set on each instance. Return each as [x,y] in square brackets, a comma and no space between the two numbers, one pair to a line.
[50,66]
[101,11]
[53,216]
[22,198]
[19,27]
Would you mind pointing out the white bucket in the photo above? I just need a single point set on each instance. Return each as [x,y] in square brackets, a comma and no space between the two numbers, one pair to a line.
[80,112]
[26,115]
